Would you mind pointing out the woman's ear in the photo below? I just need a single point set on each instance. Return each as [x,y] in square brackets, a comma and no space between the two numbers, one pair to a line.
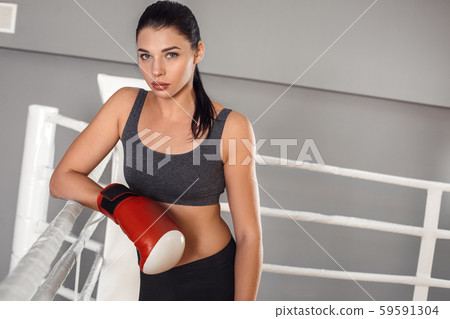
[199,53]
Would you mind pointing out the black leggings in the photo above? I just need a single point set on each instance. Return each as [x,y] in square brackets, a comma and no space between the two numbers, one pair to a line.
[210,278]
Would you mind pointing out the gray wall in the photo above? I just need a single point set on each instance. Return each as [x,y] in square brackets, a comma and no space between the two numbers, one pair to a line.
[397,49]
[392,51]
[373,102]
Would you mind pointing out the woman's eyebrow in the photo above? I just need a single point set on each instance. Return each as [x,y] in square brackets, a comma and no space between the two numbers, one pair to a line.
[163,50]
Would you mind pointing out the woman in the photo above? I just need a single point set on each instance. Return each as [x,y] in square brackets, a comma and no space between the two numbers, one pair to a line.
[169,48]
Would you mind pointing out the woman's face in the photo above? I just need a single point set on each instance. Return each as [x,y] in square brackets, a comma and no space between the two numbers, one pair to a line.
[166,58]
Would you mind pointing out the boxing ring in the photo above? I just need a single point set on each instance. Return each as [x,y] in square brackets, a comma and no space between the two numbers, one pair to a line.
[36,275]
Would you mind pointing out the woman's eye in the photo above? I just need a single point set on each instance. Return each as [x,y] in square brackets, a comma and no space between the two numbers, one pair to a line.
[145,56]
[172,55]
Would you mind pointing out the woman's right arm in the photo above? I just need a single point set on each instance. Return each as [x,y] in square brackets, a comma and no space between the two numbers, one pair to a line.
[70,179]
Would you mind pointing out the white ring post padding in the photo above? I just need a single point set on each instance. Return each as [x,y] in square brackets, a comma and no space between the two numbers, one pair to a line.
[33,196]
[120,263]
[120,258]
[68,122]
[110,84]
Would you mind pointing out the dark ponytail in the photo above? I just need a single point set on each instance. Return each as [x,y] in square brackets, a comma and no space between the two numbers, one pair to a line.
[164,14]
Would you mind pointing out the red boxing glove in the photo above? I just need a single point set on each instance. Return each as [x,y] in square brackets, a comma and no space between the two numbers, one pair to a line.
[158,240]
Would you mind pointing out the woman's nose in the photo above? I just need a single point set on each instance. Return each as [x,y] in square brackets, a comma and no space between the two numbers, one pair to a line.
[157,68]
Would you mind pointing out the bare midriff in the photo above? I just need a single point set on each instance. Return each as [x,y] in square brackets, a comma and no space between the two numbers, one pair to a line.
[205,231]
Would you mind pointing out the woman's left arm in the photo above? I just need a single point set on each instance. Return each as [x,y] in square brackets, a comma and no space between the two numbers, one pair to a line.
[243,199]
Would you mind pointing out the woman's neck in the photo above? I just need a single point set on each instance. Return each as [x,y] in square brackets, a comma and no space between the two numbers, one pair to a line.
[175,108]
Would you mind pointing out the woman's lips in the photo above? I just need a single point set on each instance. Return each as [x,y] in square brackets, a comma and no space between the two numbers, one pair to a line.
[159,86]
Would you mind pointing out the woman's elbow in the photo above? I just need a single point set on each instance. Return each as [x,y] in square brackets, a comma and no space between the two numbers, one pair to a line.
[253,238]
[55,186]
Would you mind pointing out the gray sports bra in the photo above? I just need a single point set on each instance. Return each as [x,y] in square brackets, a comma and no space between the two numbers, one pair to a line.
[194,178]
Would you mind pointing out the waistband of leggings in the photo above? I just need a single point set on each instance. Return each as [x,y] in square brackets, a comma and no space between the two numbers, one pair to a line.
[217,259]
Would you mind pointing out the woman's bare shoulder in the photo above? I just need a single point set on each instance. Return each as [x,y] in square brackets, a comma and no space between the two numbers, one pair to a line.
[121,98]
[235,119]
[120,103]
[234,116]
[237,125]
[238,129]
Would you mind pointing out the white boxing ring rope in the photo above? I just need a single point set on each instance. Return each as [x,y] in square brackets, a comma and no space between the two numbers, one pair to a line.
[26,280]
[429,233]
[26,276]
[48,289]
